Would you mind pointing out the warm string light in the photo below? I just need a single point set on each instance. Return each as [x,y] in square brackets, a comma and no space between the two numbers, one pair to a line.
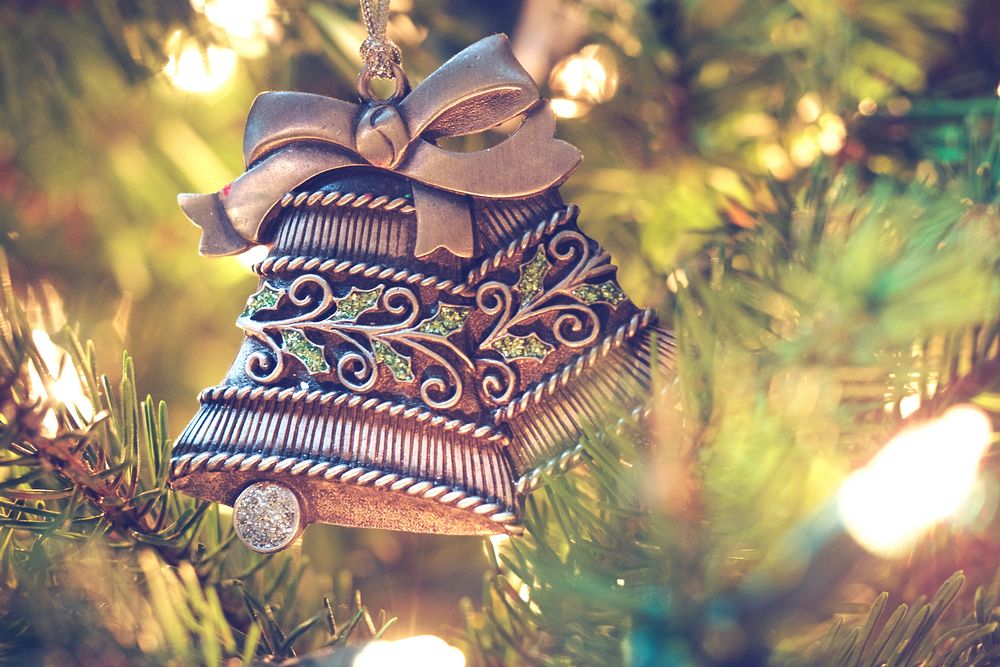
[57,383]
[249,25]
[419,651]
[194,69]
[922,476]
[813,132]
[583,79]
[253,256]
[243,19]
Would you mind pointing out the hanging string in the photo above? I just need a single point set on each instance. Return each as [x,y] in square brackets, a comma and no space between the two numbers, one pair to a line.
[379,54]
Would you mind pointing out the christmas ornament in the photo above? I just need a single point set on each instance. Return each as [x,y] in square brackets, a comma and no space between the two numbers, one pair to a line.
[432,332]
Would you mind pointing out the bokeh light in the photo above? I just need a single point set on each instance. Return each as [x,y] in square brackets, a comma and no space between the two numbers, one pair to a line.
[194,69]
[922,476]
[62,384]
[809,107]
[867,107]
[583,79]
[239,18]
[253,256]
[419,651]
[832,133]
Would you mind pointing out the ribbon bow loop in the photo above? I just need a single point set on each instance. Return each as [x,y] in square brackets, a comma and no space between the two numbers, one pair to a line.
[291,137]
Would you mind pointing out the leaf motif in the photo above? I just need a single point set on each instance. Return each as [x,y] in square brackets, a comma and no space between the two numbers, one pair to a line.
[294,342]
[355,303]
[265,298]
[532,274]
[446,321]
[606,292]
[398,364]
[522,347]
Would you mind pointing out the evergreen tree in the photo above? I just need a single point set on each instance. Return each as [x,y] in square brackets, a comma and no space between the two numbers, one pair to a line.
[809,194]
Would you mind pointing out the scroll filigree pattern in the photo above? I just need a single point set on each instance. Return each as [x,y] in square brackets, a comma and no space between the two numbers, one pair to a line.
[385,331]
[522,308]
[367,345]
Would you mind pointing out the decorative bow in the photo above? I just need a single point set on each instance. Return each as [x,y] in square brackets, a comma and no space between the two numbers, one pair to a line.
[291,137]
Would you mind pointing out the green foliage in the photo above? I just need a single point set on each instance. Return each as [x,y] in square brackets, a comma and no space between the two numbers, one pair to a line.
[99,560]
[912,634]
[799,339]
[814,304]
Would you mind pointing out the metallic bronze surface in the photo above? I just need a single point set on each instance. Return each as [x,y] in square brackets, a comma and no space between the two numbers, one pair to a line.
[401,374]
[292,137]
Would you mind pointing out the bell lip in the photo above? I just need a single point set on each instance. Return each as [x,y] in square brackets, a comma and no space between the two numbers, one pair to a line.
[383,500]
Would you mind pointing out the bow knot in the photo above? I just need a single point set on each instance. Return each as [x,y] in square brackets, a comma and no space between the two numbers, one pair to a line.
[292,137]
[381,135]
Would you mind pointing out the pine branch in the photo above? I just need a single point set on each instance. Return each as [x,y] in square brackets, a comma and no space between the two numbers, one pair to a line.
[90,533]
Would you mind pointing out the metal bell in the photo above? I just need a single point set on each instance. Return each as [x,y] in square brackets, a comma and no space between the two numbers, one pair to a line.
[417,353]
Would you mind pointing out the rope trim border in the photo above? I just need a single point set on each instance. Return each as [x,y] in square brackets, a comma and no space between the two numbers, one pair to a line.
[353,199]
[273,265]
[191,463]
[223,393]
[530,237]
[547,387]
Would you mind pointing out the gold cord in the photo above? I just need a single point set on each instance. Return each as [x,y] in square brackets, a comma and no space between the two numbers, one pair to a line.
[379,54]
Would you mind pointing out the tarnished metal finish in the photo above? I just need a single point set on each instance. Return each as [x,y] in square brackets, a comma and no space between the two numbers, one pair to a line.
[368,201]
[398,376]
[454,347]
[292,137]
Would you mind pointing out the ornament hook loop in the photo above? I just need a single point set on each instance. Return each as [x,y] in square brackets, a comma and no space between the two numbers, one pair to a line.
[369,72]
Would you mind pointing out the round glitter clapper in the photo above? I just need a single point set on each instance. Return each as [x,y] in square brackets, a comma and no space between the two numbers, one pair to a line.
[267,517]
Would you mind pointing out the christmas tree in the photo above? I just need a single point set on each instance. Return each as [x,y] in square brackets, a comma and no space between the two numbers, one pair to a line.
[807,192]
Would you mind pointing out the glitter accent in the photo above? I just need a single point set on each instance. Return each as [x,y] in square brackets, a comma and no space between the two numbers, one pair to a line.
[398,365]
[267,517]
[446,321]
[355,303]
[263,299]
[522,347]
[608,292]
[309,353]
[532,274]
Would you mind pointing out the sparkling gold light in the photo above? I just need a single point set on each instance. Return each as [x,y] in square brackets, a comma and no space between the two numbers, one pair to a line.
[832,134]
[587,77]
[776,160]
[867,107]
[194,70]
[804,150]
[922,476]
[239,18]
[564,108]
[498,543]
[62,384]
[253,256]
[419,651]
[908,405]
[809,107]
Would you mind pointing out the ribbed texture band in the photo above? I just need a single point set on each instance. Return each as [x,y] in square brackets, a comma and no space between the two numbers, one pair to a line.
[613,387]
[321,431]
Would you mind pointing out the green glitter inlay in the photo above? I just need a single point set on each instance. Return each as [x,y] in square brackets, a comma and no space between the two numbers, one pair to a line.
[398,364]
[309,353]
[532,275]
[355,303]
[522,347]
[264,298]
[446,321]
[608,292]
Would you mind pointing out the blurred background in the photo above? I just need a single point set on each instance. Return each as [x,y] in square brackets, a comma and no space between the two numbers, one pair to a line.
[109,108]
